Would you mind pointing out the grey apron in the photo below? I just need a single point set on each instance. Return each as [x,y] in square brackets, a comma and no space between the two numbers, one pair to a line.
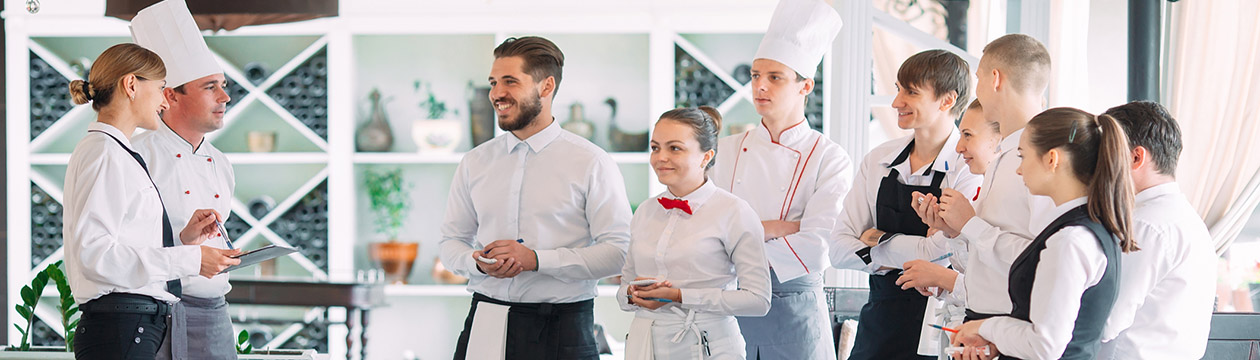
[207,331]
[797,327]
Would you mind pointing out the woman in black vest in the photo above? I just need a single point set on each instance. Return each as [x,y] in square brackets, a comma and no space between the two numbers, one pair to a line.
[1063,285]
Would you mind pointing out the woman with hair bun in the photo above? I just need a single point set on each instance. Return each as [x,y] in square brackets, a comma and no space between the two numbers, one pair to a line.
[695,252]
[1063,285]
[122,259]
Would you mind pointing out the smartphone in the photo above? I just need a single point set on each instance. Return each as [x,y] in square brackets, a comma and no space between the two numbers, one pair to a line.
[644,282]
[487,261]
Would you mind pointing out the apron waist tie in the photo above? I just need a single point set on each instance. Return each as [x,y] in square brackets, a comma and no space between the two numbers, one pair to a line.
[690,325]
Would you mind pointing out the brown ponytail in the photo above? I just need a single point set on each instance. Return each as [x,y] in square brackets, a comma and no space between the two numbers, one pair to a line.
[705,122]
[1100,160]
[1111,189]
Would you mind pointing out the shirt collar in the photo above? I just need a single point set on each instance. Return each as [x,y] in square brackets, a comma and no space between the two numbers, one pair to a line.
[943,159]
[168,135]
[1039,224]
[696,198]
[539,140]
[790,135]
[1156,191]
[111,130]
[1010,142]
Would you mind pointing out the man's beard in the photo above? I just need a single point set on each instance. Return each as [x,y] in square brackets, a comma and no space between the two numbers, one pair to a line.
[528,111]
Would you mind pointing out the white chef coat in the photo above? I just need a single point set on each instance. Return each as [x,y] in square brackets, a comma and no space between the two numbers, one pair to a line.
[859,205]
[189,180]
[799,178]
[560,193]
[713,255]
[1164,308]
[113,224]
[1072,261]
[1007,219]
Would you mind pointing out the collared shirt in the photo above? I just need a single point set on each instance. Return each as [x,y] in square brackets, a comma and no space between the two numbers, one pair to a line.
[1007,218]
[113,224]
[1072,262]
[189,180]
[859,205]
[802,177]
[558,192]
[713,255]
[1164,308]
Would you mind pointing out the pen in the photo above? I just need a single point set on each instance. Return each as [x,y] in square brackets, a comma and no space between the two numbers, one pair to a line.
[943,257]
[223,232]
[943,328]
[659,299]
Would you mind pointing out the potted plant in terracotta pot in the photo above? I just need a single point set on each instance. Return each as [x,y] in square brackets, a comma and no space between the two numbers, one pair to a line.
[439,131]
[390,200]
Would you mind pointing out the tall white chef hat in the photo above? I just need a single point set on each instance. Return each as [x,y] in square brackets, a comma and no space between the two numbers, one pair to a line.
[800,32]
[168,29]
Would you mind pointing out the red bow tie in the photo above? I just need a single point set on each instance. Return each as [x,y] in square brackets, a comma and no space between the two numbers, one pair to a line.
[679,204]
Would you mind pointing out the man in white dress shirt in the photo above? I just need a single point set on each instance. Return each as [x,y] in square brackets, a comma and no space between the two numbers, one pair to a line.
[1011,79]
[189,172]
[534,218]
[794,178]
[1164,308]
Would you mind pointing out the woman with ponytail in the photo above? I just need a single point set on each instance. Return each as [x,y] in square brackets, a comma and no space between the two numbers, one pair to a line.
[123,260]
[1063,285]
[695,253]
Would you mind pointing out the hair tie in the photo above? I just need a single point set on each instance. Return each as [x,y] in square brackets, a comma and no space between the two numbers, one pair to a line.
[87,90]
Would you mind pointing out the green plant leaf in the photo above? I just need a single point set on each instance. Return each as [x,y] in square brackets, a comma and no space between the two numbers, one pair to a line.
[20,329]
[28,295]
[249,349]
[24,311]
[243,337]
[73,310]
[73,325]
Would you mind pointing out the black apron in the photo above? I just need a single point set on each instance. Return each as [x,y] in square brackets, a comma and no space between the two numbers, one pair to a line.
[540,331]
[890,322]
[1096,301]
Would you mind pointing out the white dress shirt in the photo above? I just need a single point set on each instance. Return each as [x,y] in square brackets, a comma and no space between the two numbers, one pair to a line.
[190,180]
[113,224]
[713,255]
[1072,262]
[1007,219]
[859,205]
[1164,308]
[563,195]
[800,178]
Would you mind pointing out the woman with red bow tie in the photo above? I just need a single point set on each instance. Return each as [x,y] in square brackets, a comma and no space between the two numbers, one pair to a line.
[695,252]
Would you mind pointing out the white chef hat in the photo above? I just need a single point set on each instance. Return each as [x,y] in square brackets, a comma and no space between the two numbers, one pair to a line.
[800,32]
[168,29]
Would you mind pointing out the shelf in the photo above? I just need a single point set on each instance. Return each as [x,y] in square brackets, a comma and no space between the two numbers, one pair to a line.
[460,290]
[630,157]
[276,158]
[407,158]
[50,159]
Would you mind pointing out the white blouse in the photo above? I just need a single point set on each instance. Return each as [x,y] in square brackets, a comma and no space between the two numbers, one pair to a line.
[802,177]
[113,224]
[188,181]
[714,255]
[1072,261]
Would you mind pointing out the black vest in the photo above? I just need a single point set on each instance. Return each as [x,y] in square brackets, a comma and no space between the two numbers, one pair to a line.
[1097,300]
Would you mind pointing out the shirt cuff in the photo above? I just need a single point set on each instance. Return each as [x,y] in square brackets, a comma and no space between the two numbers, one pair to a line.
[990,328]
[975,228]
[185,260]
[548,260]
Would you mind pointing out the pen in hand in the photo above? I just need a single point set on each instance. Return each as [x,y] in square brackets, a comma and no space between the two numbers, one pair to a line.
[223,233]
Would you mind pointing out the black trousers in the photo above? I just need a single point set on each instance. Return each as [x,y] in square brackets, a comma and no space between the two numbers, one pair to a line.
[107,335]
[541,330]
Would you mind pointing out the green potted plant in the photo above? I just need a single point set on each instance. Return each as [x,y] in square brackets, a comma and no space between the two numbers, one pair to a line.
[31,295]
[440,131]
[390,200]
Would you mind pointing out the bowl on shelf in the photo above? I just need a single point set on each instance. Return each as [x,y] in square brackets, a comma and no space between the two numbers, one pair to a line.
[437,136]
[396,258]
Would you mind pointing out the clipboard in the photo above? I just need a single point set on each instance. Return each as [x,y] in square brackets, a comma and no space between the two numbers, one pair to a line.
[258,255]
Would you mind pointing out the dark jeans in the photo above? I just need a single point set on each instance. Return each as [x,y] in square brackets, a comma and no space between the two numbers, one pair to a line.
[541,330]
[109,336]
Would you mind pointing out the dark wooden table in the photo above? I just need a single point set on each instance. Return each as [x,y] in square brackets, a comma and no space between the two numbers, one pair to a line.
[357,298]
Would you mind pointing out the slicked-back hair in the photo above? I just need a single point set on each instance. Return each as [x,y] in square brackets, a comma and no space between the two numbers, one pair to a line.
[541,57]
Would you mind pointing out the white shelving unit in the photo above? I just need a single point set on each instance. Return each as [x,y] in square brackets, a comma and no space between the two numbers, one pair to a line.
[389,44]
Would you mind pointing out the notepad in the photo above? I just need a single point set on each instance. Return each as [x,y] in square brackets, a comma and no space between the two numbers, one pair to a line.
[259,255]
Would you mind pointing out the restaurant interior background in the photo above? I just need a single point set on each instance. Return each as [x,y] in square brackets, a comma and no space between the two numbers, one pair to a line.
[307,95]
